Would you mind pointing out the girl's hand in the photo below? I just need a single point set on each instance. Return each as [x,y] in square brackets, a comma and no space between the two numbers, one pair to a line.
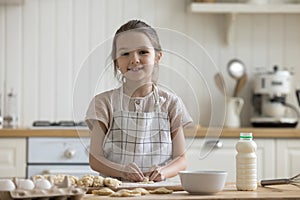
[133,173]
[156,174]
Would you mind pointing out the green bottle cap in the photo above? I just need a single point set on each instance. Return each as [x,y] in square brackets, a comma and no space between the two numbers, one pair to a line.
[246,135]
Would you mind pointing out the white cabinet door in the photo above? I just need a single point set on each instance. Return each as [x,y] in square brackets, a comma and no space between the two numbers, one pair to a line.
[224,158]
[288,158]
[12,157]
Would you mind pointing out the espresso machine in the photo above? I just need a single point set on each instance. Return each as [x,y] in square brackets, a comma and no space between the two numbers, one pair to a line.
[270,92]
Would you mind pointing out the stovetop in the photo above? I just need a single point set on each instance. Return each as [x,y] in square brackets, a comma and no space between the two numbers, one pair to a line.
[59,124]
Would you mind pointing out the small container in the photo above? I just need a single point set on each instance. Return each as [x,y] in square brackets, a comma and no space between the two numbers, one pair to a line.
[10,118]
[246,163]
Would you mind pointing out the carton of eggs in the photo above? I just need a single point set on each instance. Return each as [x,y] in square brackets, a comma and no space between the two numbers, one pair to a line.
[37,189]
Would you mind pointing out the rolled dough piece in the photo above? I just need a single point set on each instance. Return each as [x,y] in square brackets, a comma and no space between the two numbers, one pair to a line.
[126,193]
[143,191]
[161,190]
[103,191]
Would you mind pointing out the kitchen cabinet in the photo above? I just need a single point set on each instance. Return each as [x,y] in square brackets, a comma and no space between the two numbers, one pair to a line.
[223,158]
[288,157]
[58,155]
[13,157]
[231,10]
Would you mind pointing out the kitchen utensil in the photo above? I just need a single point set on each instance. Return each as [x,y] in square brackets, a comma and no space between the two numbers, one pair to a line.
[203,182]
[240,85]
[236,70]
[219,80]
[295,180]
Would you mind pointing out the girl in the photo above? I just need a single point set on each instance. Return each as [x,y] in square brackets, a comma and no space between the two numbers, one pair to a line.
[137,129]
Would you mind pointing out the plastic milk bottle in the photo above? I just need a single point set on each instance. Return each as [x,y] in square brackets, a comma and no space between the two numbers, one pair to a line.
[246,167]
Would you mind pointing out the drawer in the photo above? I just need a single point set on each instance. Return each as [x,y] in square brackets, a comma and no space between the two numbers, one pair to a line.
[58,150]
[75,170]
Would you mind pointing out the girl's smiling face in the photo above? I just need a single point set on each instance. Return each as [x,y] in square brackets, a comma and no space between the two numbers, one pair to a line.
[136,56]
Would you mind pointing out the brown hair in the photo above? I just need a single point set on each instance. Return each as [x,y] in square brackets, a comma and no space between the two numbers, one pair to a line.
[139,26]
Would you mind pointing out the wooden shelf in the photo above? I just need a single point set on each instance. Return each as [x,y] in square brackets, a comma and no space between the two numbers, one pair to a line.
[229,8]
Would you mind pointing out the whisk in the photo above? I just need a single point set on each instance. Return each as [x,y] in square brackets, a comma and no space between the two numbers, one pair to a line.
[295,180]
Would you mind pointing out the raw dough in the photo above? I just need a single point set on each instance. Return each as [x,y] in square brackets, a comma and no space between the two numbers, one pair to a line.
[126,193]
[98,181]
[111,182]
[56,179]
[146,181]
[143,191]
[161,190]
[103,191]
[86,180]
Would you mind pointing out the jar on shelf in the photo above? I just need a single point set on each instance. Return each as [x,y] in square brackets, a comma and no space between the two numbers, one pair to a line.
[10,117]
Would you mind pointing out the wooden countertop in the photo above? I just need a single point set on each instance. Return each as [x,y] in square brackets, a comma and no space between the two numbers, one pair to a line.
[229,192]
[199,132]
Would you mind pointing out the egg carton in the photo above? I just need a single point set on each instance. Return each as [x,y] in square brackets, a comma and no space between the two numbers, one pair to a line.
[71,193]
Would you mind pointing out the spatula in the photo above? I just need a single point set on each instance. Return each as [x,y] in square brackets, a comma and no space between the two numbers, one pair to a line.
[240,85]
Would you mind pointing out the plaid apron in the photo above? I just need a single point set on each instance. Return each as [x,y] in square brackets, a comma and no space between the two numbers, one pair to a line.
[140,137]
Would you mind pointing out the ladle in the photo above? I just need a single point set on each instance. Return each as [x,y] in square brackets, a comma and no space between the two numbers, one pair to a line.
[237,70]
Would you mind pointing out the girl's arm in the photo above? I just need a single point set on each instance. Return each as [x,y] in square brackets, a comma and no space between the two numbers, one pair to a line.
[100,164]
[179,158]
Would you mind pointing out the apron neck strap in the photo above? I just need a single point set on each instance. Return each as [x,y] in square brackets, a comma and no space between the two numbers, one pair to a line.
[155,94]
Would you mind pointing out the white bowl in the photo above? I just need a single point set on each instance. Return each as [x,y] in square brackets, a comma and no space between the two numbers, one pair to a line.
[7,185]
[203,182]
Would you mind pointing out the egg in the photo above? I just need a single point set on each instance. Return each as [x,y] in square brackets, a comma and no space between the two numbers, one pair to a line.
[7,185]
[42,184]
[25,184]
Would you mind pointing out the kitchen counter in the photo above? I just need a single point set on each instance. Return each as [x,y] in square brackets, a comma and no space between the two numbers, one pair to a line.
[201,132]
[229,192]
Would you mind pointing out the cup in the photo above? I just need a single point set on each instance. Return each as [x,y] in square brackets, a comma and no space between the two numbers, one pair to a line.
[273,109]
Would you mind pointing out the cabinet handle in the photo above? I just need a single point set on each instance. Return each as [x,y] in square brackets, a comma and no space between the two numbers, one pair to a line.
[216,144]
[69,153]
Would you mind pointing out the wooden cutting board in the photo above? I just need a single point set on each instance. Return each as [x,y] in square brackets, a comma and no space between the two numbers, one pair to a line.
[175,186]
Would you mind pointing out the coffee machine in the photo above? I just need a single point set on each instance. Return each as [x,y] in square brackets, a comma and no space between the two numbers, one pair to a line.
[270,92]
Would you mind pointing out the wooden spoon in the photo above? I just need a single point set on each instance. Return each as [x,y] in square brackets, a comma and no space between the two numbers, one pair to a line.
[240,85]
[219,80]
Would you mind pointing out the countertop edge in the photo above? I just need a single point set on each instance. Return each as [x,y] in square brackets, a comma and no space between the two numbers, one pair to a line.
[197,132]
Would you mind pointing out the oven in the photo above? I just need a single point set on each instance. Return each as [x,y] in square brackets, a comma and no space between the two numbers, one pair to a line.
[47,155]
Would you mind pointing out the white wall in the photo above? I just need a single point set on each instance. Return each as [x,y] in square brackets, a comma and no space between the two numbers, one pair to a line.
[44,43]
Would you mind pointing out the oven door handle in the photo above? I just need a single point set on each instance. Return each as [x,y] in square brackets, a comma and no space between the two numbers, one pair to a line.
[63,171]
